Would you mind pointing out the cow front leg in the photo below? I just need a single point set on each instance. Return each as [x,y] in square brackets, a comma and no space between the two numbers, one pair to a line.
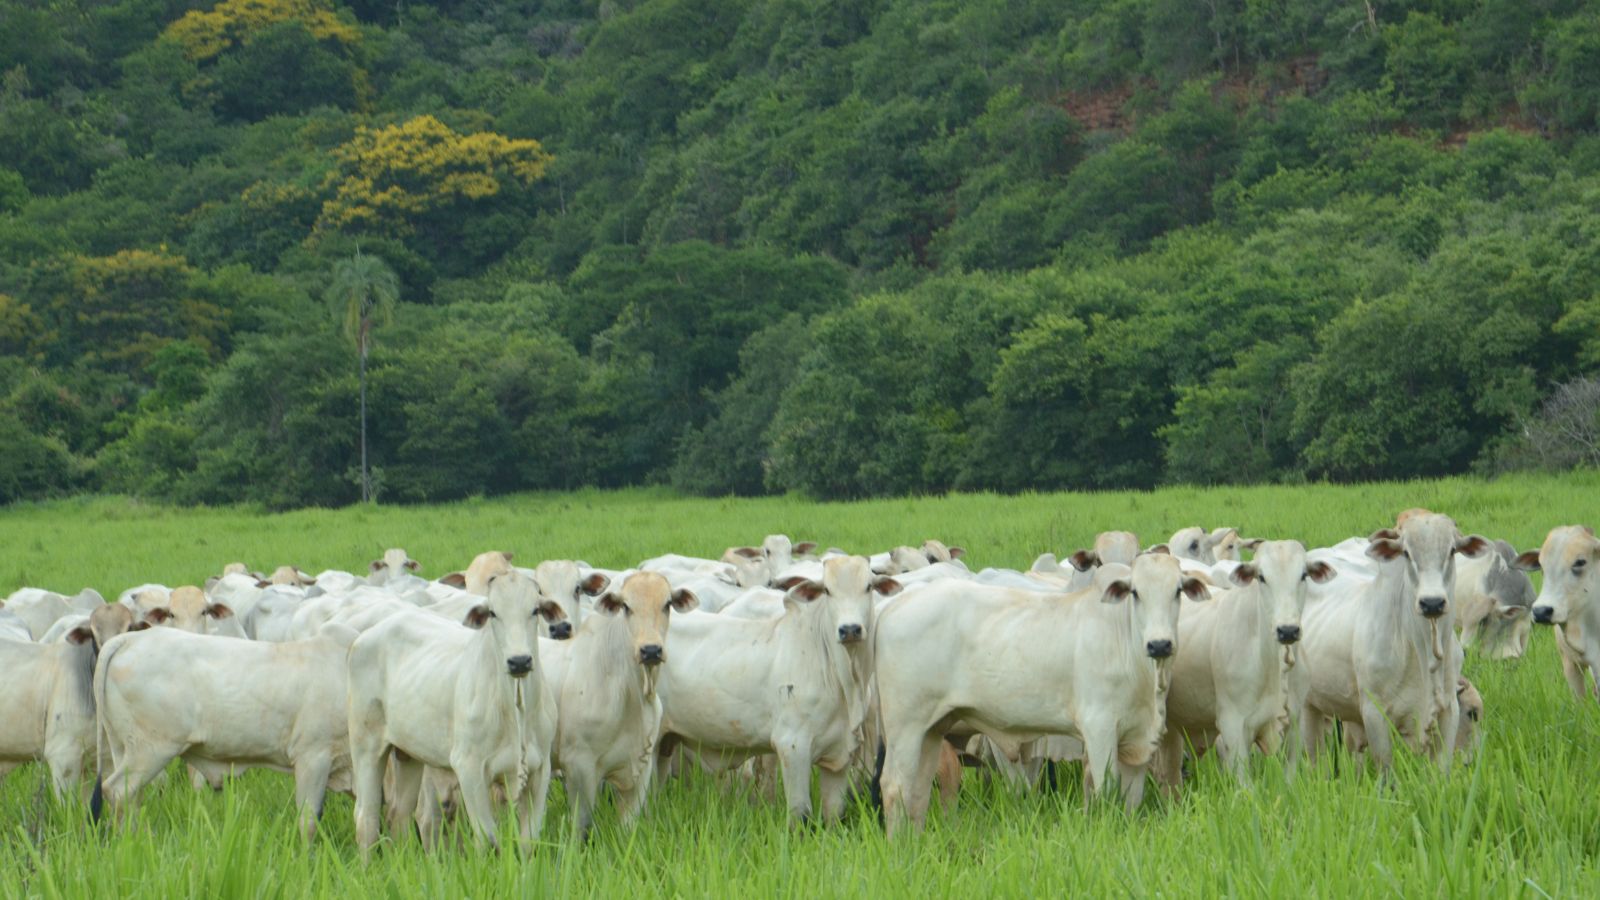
[794,759]
[310,786]
[1379,740]
[833,786]
[531,804]
[477,797]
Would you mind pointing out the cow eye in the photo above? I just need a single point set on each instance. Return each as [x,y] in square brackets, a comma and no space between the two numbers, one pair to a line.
[1195,545]
[1133,594]
[1261,578]
[1304,575]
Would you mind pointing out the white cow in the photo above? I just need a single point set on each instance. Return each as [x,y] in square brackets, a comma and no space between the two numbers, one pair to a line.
[1228,686]
[39,609]
[560,580]
[1015,666]
[188,609]
[780,553]
[795,685]
[47,707]
[221,702]
[1495,601]
[470,699]
[13,628]
[271,617]
[394,563]
[1194,543]
[605,679]
[1384,652]
[1568,559]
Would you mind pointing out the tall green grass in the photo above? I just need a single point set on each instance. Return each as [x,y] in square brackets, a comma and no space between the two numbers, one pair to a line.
[1523,820]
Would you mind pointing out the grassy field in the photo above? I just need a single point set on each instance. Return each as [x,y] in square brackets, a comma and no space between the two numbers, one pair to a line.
[1523,820]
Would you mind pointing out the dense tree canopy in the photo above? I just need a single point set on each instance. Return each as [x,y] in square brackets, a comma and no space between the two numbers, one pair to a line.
[767,245]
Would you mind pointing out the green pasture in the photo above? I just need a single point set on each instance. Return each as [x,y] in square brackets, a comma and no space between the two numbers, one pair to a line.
[1524,820]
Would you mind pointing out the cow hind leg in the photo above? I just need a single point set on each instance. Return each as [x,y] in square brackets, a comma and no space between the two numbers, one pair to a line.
[948,777]
[833,787]
[366,771]
[402,793]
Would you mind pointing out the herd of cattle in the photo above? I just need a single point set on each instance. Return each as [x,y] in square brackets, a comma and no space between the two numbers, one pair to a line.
[472,690]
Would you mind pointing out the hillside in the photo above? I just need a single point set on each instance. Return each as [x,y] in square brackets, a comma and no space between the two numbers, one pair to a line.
[842,248]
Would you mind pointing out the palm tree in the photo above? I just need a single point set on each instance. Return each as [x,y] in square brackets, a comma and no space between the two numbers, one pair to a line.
[364,290]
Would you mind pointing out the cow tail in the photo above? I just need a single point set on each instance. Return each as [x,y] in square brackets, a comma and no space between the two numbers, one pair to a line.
[97,799]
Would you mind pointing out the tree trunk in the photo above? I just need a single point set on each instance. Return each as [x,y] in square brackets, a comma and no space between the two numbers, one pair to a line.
[366,482]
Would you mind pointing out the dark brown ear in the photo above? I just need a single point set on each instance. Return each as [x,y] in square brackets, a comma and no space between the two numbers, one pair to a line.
[791,581]
[455,580]
[595,584]
[139,626]
[1084,560]
[1588,529]
[957,552]
[412,565]
[478,616]
[211,584]
[747,552]
[1252,543]
[1384,534]
[1320,572]
[610,604]
[375,565]
[1473,545]
[1244,574]
[1195,588]
[1160,548]
[1385,549]
[807,590]
[508,556]
[886,586]
[1527,561]
[263,583]
[158,615]
[218,611]
[1115,591]
[804,547]
[80,635]
[684,600]
[552,611]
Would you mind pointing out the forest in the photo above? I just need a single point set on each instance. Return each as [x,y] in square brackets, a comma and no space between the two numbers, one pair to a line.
[845,249]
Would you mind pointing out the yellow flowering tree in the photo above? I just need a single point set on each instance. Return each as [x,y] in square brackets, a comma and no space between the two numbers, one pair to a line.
[387,178]
[206,34]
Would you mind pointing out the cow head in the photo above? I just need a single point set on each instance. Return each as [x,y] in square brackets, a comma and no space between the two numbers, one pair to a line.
[1226,544]
[1153,586]
[510,605]
[1115,547]
[846,594]
[484,567]
[749,564]
[1469,726]
[561,581]
[395,561]
[778,551]
[1427,544]
[290,575]
[647,601]
[1281,572]
[189,610]
[1568,559]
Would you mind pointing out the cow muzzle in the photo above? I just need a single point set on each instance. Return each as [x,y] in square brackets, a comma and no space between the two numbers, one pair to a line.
[519,666]
[560,631]
[652,654]
[1431,607]
[1158,649]
[849,634]
[1288,634]
[1544,615]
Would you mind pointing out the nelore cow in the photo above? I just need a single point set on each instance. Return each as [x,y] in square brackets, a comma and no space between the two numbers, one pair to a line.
[1568,559]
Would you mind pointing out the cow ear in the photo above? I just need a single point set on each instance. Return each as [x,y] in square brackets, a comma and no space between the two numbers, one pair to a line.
[595,584]
[684,600]
[1385,549]
[80,635]
[610,604]
[886,586]
[791,581]
[1084,560]
[1320,572]
[1473,545]
[375,565]
[1252,544]
[805,547]
[1160,548]
[158,615]
[1527,561]
[1243,575]
[747,552]
[1195,588]
[263,583]
[218,611]
[806,590]
[412,565]
[211,584]
[508,556]
[552,611]
[139,626]
[455,580]
[1384,534]
[1218,534]
[478,616]
[1115,591]
[957,552]
[1511,612]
